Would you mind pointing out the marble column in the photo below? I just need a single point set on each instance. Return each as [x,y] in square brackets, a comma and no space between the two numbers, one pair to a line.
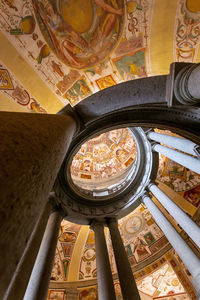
[32,150]
[37,288]
[106,289]
[173,141]
[186,85]
[188,257]
[22,274]
[125,274]
[190,227]
[185,160]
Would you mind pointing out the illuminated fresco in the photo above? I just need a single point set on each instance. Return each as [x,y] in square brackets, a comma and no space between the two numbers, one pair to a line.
[141,235]
[13,89]
[180,179]
[56,295]
[88,260]
[103,157]
[80,33]
[162,282]
[187,30]
[88,293]
[77,47]
[66,242]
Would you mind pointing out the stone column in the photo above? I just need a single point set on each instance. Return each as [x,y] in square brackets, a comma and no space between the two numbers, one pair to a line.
[37,288]
[106,289]
[185,160]
[71,294]
[190,227]
[126,278]
[32,150]
[22,274]
[186,85]
[188,257]
[173,141]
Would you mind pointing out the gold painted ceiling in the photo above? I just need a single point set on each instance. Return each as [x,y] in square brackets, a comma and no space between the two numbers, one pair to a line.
[102,160]
[55,52]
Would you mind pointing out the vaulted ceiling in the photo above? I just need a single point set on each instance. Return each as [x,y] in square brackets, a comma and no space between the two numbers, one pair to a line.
[56,52]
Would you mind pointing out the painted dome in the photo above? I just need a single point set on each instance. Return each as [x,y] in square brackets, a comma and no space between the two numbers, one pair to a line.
[104,160]
[81,33]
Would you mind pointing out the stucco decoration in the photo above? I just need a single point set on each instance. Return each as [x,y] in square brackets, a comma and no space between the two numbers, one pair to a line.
[107,156]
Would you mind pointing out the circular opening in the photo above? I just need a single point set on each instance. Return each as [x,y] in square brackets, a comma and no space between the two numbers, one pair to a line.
[103,164]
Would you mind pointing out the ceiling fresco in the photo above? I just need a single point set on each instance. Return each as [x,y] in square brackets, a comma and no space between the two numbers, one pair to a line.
[80,47]
[141,235]
[180,179]
[157,281]
[56,52]
[162,282]
[14,89]
[104,158]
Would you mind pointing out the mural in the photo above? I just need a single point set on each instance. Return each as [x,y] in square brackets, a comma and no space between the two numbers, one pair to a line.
[88,293]
[132,65]
[142,237]
[81,33]
[182,180]
[106,156]
[187,30]
[66,241]
[162,282]
[77,47]
[13,89]
[182,273]
[88,261]
[56,295]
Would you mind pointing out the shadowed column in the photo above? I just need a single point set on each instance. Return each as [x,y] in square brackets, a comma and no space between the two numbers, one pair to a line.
[126,278]
[39,282]
[32,150]
[106,289]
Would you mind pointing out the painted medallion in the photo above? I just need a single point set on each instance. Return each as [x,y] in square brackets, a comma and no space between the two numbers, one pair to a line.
[82,32]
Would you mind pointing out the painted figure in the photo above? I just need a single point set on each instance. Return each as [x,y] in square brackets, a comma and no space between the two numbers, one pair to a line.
[75,46]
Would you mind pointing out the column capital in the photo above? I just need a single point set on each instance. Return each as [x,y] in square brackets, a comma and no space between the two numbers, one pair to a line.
[182,86]
[96,224]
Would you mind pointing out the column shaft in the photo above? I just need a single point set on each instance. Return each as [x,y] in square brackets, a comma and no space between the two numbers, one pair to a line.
[183,159]
[173,141]
[22,274]
[39,282]
[126,278]
[32,150]
[188,257]
[106,289]
[190,227]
